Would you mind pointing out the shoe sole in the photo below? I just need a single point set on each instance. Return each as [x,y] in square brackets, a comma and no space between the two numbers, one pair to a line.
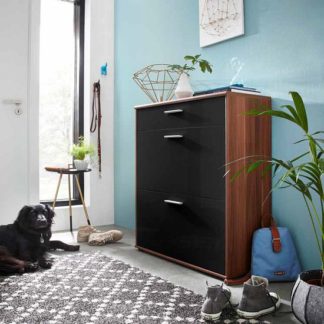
[250,315]
[211,317]
[82,239]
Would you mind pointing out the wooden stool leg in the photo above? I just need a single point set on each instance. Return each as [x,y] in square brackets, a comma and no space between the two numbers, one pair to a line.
[81,196]
[57,191]
[70,204]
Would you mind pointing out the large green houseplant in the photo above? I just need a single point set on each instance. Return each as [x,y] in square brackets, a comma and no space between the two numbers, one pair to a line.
[305,174]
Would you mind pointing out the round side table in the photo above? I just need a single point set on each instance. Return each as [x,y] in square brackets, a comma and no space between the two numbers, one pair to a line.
[70,172]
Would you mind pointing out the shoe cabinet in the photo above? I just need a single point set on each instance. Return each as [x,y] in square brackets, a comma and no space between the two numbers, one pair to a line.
[186,210]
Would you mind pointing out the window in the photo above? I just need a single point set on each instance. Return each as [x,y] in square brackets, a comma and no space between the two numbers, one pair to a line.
[61,92]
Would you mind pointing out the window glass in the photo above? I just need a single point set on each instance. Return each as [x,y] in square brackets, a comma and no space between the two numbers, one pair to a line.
[57,68]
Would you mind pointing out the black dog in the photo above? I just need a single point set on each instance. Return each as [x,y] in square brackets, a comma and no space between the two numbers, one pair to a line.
[24,243]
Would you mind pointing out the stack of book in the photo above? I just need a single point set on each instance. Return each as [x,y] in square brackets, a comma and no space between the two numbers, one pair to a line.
[234,88]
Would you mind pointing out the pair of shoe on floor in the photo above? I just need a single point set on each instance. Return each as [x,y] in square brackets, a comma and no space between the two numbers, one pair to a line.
[256,300]
[94,237]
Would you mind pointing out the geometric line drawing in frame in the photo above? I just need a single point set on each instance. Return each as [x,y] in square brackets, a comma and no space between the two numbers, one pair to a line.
[220,20]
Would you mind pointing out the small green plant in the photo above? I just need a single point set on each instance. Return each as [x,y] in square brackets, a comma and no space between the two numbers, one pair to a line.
[80,150]
[204,65]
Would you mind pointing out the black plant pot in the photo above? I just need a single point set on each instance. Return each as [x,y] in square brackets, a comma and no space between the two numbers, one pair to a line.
[307,299]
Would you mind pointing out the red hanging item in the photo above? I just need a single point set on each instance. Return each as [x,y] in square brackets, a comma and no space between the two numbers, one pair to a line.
[96,118]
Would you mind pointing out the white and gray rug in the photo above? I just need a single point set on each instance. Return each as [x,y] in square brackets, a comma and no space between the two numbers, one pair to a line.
[94,289]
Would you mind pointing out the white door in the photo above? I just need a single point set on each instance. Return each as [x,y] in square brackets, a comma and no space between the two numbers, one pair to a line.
[14,48]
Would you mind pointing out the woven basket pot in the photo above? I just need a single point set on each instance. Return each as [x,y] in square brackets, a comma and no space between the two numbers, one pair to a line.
[307,299]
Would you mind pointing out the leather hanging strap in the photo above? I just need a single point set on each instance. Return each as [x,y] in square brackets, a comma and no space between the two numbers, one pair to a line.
[276,242]
[96,118]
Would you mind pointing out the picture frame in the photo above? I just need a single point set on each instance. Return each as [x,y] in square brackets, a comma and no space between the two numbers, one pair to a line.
[220,20]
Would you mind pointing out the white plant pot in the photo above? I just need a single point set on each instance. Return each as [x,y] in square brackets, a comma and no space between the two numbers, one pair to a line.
[81,165]
[183,89]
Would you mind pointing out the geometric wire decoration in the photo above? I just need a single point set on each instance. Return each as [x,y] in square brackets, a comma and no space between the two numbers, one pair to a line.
[158,81]
[220,20]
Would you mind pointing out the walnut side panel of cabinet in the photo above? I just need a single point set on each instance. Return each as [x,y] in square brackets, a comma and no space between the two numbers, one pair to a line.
[212,230]
[247,198]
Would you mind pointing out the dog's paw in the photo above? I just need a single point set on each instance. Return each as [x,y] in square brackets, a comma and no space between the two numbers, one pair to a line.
[31,266]
[45,264]
[73,248]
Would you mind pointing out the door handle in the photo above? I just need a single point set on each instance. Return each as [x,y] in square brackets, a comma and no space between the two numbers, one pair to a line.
[12,102]
[16,103]
[173,202]
[173,136]
[174,111]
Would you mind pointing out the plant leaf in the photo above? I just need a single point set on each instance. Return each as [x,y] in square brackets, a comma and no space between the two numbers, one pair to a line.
[237,174]
[300,109]
[189,58]
[254,166]
[273,113]
[202,67]
[293,112]
[299,157]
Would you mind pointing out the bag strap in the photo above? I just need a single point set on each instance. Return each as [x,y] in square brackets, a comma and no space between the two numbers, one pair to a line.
[276,241]
[266,220]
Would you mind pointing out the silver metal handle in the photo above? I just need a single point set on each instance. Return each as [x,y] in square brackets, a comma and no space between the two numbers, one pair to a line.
[16,102]
[173,202]
[173,136]
[174,111]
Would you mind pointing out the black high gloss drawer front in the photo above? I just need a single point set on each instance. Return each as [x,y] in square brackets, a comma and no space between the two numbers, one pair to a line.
[194,114]
[193,232]
[191,165]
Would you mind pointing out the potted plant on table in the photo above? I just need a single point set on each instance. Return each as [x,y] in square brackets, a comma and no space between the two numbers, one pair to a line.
[183,88]
[80,151]
[304,173]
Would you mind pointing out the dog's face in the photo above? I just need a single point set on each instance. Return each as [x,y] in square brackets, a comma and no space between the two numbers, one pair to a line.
[38,218]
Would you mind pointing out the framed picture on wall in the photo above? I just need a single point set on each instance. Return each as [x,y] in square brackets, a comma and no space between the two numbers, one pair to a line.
[220,20]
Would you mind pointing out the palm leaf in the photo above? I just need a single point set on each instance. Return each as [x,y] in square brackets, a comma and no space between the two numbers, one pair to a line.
[300,109]
[254,166]
[299,157]
[273,113]
[293,112]
[267,169]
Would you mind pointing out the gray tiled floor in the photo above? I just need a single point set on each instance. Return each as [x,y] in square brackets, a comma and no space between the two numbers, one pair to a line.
[125,251]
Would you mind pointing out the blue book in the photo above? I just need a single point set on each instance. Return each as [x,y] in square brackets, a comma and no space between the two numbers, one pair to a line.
[234,87]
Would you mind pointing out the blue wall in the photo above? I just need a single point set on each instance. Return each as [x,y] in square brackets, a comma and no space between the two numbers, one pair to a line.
[282,50]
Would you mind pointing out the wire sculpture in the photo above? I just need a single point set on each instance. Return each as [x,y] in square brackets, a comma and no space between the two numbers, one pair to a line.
[158,81]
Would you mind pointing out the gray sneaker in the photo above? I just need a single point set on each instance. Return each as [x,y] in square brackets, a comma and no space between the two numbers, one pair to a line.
[216,300]
[257,300]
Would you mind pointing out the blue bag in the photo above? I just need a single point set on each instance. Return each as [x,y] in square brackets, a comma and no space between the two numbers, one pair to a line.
[274,255]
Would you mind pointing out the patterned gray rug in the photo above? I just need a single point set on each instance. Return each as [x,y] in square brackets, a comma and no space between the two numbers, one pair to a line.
[94,289]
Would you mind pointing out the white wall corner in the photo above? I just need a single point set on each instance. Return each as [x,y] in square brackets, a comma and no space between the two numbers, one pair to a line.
[99,49]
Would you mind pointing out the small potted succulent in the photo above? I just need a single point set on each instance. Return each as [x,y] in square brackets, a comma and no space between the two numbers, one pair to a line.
[183,88]
[80,151]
